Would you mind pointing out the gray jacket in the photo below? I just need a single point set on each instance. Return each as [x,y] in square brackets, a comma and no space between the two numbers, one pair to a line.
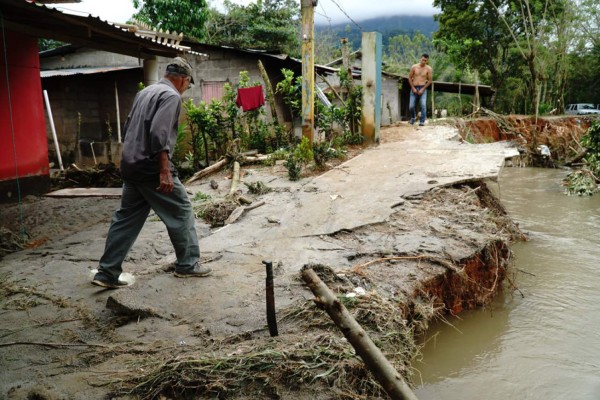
[151,128]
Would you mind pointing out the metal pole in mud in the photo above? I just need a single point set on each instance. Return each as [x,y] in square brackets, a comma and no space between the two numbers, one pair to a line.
[271,316]
[384,371]
[53,128]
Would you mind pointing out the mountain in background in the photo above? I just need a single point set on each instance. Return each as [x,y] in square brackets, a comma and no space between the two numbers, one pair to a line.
[388,26]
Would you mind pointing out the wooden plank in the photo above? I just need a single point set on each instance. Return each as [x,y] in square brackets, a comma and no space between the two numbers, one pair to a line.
[86,192]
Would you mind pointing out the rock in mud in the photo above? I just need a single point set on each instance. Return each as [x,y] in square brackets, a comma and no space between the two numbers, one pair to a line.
[127,303]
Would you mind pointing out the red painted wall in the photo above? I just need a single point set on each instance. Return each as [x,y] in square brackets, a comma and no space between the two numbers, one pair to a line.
[22,95]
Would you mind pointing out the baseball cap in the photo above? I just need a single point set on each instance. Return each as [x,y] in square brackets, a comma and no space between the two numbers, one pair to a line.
[181,66]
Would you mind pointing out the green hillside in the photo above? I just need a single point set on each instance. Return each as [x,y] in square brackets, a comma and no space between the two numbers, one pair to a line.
[388,26]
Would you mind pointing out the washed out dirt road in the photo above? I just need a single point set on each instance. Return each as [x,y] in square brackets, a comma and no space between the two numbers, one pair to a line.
[410,222]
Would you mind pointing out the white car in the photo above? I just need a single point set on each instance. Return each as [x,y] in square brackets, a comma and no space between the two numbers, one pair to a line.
[581,109]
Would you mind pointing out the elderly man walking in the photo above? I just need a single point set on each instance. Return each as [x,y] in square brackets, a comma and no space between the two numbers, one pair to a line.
[150,180]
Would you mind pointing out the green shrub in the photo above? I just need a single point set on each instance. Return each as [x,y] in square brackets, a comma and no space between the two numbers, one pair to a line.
[293,166]
[322,152]
[585,180]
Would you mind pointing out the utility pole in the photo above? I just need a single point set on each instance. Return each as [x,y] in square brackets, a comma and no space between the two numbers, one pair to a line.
[307,7]
[345,54]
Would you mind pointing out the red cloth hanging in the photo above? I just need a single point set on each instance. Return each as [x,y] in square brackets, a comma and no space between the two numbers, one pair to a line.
[250,98]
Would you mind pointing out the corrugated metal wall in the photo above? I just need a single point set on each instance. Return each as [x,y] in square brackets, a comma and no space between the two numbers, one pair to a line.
[23,144]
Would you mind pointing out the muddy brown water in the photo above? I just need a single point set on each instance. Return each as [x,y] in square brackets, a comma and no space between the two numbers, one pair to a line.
[545,344]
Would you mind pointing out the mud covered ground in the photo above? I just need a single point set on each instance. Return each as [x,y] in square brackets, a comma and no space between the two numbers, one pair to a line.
[440,251]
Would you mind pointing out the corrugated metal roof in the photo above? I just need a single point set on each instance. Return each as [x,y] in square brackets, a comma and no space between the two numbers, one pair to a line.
[57,1]
[82,71]
[39,20]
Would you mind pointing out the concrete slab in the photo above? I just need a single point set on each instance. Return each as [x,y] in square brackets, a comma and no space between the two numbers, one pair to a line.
[365,189]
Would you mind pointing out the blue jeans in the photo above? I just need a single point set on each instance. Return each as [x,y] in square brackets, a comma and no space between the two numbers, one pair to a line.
[174,209]
[422,105]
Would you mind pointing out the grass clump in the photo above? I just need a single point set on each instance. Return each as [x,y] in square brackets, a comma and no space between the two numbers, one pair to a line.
[257,188]
[215,213]
[200,196]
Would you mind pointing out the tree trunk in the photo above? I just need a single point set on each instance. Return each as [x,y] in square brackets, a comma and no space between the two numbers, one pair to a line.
[534,83]
[235,179]
[207,171]
[269,90]
[238,212]
[384,372]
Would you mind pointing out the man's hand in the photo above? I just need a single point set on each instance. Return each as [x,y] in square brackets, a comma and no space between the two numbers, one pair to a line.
[415,91]
[166,182]
[166,179]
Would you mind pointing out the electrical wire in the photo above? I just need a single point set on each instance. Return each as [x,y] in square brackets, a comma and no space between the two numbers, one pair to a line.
[12,127]
[346,14]
[324,14]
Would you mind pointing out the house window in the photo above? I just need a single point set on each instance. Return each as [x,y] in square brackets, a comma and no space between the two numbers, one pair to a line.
[212,90]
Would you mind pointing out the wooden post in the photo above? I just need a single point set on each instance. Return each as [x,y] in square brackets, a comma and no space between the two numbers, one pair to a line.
[433,116]
[345,54]
[307,8]
[477,101]
[348,68]
[269,90]
[271,315]
[382,369]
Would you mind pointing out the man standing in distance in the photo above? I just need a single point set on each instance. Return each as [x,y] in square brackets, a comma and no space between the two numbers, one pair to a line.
[419,79]
[150,180]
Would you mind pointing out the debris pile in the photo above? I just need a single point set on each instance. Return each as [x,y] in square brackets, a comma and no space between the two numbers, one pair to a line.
[101,175]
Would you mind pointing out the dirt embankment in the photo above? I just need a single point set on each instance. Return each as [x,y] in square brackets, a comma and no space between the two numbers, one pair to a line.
[442,251]
[561,134]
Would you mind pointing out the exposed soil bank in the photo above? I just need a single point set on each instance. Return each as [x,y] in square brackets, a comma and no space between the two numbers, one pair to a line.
[445,250]
[561,134]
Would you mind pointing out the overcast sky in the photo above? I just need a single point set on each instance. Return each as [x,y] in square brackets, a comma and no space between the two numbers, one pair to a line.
[333,11]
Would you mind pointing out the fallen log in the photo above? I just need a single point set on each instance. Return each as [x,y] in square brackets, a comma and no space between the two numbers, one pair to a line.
[245,200]
[382,369]
[578,157]
[256,159]
[207,171]
[235,178]
[237,213]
